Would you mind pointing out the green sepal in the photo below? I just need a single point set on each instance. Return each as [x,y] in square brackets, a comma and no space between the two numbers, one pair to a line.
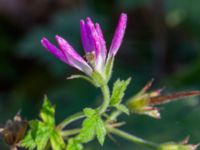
[82,77]
[108,68]
[98,79]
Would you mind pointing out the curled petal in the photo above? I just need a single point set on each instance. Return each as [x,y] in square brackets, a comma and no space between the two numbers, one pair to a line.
[54,50]
[118,35]
[102,41]
[73,57]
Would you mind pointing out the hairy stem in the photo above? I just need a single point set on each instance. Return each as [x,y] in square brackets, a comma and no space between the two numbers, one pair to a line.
[133,138]
[70,132]
[106,98]
[70,119]
[114,115]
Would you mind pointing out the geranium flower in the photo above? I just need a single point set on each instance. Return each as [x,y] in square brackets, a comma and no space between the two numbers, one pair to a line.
[94,46]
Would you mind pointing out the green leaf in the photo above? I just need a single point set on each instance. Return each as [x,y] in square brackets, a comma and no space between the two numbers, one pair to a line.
[118,91]
[57,141]
[87,132]
[89,112]
[122,108]
[47,113]
[92,125]
[38,135]
[28,142]
[109,68]
[74,144]
[100,130]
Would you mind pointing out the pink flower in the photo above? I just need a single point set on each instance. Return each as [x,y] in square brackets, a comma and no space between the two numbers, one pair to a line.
[94,46]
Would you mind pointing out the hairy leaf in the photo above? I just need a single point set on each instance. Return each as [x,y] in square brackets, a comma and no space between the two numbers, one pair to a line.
[37,136]
[118,91]
[100,130]
[28,142]
[47,113]
[57,141]
[122,108]
[74,144]
[92,125]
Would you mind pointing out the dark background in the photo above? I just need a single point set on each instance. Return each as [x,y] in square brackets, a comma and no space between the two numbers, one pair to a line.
[162,41]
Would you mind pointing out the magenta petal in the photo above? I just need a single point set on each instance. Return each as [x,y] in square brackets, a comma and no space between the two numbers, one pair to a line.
[73,57]
[95,41]
[102,41]
[54,50]
[118,35]
[84,38]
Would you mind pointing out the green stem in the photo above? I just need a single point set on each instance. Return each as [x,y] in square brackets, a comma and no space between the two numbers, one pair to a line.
[114,115]
[70,119]
[104,106]
[133,138]
[106,98]
[70,132]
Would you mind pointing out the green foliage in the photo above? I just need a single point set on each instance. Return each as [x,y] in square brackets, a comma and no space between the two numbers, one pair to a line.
[108,68]
[100,130]
[118,91]
[82,77]
[92,125]
[98,79]
[41,131]
[57,141]
[122,108]
[47,112]
[74,144]
[37,136]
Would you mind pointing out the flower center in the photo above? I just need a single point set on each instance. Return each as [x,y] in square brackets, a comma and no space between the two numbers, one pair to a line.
[90,57]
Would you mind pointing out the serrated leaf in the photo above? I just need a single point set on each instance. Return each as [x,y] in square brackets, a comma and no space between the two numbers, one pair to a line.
[28,142]
[38,135]
[118,91]
[122,108]
[100,130]
[42,135]
[87,132]
[57,141]
[47,113]
[92,125]
[74,144]
[89,112]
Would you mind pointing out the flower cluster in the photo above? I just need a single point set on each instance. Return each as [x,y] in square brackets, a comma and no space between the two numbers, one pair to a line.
[94,46]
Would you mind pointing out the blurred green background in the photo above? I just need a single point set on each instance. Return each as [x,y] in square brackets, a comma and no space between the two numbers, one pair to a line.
[162,41]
